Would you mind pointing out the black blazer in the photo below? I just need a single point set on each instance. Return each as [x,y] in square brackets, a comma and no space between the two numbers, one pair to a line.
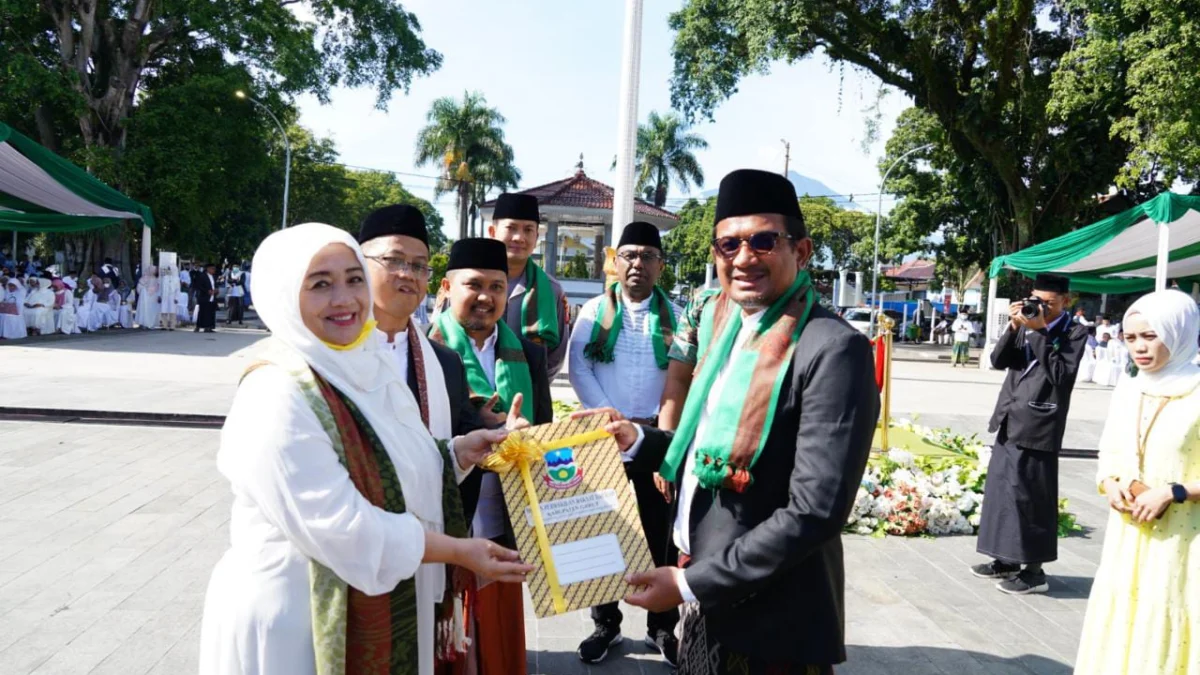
[543,413]
[464,416]
[767,564]
[1033,405]
[201,286]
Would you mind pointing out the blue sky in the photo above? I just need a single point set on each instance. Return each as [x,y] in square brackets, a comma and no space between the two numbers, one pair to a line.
[552,68]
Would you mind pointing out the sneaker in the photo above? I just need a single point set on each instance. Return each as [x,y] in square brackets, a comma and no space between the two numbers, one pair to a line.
[595,647]
[995,570]
[664,643]
[1025,583]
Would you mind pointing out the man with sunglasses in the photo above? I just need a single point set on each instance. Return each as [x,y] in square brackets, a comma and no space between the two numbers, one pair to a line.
[618,358]
[768,454]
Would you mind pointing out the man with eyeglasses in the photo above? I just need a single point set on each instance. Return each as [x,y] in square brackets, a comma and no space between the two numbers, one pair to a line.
[768,455]
[537,305]
[618,359]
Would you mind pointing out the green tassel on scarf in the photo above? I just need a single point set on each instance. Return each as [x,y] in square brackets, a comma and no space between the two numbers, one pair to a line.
[610,318]
[735,436]
[539,308]
[512,370]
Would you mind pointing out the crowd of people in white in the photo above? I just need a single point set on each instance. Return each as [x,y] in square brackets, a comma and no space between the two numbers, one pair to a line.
[45,304]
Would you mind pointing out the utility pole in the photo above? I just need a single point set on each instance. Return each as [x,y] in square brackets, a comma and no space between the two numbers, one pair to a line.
[787,155]
[627,119]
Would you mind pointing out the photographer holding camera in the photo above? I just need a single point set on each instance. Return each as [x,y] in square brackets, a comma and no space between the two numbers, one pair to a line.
[1041,349]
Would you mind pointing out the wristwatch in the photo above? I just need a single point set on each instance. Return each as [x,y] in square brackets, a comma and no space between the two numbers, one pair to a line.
[1179,494]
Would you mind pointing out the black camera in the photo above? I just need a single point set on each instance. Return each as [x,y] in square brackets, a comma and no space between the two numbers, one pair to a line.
[1032,307]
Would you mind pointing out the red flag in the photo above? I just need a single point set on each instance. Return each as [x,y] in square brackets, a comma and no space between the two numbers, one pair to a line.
[880,360]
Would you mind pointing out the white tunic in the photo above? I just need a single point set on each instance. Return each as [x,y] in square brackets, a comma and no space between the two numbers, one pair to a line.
[632,383]
[294,502]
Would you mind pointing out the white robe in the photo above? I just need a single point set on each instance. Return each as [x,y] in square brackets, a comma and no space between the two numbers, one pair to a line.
[168,290]
[147,306]
[40,318]
[1087,365]
[67,318]
[99,314]
[12,326]
[120,309]
[294,502]
[181,302]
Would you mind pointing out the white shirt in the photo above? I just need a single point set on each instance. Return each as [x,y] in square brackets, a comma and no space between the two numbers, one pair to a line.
[185,278]
[632,383]
[235,287]
[399,348]
[487,355]
[689,483]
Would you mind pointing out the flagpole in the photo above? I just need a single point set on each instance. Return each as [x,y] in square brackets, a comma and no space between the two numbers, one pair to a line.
[627,117]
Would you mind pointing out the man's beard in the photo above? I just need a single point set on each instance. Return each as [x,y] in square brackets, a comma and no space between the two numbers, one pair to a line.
[474,323]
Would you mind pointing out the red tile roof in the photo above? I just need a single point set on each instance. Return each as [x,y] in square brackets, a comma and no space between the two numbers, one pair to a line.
[913,270]
[580,191]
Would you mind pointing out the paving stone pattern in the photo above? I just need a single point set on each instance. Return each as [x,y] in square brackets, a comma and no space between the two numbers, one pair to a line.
[109,535]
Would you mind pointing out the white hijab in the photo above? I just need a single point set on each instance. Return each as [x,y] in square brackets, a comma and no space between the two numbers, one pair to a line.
[365,374]
[1176,320]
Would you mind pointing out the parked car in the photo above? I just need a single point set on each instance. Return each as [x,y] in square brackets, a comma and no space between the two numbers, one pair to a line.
[860,318]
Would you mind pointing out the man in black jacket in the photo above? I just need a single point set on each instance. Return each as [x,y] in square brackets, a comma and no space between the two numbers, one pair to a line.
[500,367]
[205,283]
[1019,522]
[768,454]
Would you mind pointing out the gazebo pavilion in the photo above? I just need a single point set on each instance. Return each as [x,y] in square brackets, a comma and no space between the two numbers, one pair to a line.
[580,209]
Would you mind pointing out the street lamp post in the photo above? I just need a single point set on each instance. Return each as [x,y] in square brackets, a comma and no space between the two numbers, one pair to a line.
[287,150]
[877,305]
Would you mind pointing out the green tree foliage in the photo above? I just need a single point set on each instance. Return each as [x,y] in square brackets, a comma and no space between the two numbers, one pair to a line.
[438,261]
[667,280]
[845,239]
[691,240]
[576,268]
[1146,53]
[75,73]
[981,69]
[466,142]
[664,154]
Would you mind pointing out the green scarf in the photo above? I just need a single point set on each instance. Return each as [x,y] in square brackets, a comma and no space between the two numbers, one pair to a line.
[512,370]
[539,308]
[735,436]
[610,317]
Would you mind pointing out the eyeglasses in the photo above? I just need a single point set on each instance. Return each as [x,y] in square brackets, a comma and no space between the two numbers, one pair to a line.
[645,256]
[760,243]
[401,265]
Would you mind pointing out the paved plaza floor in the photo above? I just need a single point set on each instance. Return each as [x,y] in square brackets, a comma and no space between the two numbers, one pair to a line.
[108,533]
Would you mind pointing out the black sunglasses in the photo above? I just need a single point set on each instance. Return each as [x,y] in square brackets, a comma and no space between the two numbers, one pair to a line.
[761,243]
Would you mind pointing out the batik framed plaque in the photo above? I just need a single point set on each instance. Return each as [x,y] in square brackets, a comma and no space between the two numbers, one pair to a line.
[591,536]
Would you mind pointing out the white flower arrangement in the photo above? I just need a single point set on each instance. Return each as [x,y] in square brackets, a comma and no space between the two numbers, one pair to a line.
[905,494]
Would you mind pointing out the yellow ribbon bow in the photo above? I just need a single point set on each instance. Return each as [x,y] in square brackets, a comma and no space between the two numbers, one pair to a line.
[518,451]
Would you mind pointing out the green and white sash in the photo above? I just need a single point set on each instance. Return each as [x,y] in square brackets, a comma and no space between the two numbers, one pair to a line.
[539,308]
[735,436]
[610,318]
[512,370]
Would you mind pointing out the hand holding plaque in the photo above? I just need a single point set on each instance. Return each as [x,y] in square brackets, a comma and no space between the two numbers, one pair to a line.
[573,513]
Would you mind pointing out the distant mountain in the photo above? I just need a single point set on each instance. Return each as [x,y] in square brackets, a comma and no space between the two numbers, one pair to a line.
[811,187]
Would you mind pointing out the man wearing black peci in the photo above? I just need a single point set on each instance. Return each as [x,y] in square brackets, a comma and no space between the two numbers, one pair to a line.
[768,454]
[1041,349]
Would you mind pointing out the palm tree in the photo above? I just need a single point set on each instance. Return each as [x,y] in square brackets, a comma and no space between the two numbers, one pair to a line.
[464,140]
[664,152]
[496,173]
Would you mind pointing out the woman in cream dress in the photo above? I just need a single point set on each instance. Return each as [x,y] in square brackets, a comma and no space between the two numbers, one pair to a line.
[1143,616]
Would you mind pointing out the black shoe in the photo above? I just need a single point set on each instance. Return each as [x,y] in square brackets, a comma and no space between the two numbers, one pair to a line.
[1025,583]
[995,570]
[196,329]
[595,647]
[210,330]
[664,643]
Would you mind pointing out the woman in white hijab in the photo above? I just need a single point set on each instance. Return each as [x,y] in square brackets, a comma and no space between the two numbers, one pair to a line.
[340,520]
[38,308]
[168,291]
[1145,600]
[146,315]
[12,322]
